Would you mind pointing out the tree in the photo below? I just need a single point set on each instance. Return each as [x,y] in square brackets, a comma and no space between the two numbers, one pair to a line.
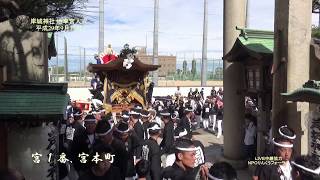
[60,70]
[315,6]
[184,67]
[218,73]
[10,9]
[315,32]
[194,68]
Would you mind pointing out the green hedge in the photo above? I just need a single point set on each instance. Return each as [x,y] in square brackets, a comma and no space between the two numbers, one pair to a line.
[316,32]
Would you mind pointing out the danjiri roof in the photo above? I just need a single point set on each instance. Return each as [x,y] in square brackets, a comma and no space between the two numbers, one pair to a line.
[33,100]
[117,64]
[253,43]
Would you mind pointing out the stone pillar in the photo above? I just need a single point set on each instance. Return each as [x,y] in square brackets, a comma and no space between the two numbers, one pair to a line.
[291,66]
[233,84]
[34,140]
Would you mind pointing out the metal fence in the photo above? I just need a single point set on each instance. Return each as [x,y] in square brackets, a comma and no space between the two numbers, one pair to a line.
[73,77]
[189,73]
[211,76]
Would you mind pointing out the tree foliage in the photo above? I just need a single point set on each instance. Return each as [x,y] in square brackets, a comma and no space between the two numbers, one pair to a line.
[184,67]
[60,70]
[194,67]
[316,32]
[10,9]
[315,6]
[218,74]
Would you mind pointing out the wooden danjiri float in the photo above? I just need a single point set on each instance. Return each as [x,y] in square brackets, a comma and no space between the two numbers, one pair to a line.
[125,81]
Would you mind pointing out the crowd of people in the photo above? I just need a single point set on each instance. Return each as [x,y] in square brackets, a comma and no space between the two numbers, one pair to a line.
[207,110]
[157,142]
[152,143]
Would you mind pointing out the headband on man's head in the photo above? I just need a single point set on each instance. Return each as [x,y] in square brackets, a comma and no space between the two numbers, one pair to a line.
[282,145]
[188,109]
[134,113]
[125,116]
[156,126]
[145,115]
[122,128]
[166,114]
[186,149]
[210,177]
[105,133]
[120,131]
[103,127]
[284,135]
[90,118]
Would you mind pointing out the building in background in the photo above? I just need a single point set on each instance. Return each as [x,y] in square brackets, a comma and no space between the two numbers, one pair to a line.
[168,63]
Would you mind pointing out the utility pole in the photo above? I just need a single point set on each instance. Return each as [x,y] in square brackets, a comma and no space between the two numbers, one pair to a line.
[204,46]
[80,66]
[101,26]
[146,41]
[57,71]
[66,77]
[84,64]
[247,13]
[155,41]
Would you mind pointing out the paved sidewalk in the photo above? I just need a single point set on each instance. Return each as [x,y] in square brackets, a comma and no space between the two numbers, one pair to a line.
[214,150]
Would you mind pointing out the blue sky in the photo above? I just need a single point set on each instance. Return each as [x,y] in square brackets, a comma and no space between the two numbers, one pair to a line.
[180,27]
